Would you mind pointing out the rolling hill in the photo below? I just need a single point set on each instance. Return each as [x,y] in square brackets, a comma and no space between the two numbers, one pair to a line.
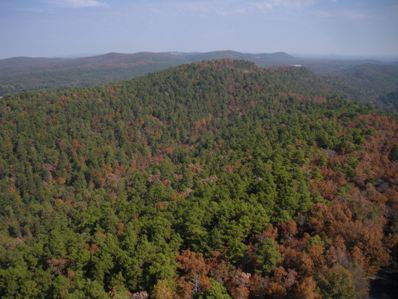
[21,74]
[363,80]
[217,179]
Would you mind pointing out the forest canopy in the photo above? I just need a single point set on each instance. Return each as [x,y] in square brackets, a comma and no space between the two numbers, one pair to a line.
[210,180]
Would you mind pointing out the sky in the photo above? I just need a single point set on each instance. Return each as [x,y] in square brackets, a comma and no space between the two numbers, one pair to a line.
[54,28]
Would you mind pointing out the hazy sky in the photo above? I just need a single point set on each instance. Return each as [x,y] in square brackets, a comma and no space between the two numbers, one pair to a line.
[76,27]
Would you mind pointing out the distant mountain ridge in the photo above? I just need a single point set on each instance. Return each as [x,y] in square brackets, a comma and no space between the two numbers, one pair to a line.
[26,64]
[114,59]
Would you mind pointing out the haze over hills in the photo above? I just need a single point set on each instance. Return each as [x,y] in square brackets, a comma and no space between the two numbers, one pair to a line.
[137,63]
[18,65]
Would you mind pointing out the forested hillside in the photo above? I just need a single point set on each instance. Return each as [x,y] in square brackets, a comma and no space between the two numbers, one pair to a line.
[373,84]
[23,74]
[366,81]
[210,180]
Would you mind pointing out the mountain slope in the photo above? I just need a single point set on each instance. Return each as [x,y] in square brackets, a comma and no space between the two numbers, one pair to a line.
[216,179]
[372,81]
[23,74]
[361,80]
[26,74]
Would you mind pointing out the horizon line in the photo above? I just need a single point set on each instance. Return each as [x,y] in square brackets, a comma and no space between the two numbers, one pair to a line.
[331,56]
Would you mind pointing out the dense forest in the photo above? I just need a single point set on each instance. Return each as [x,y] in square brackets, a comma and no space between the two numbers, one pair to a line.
[210,180]
[363,80]
[23,74]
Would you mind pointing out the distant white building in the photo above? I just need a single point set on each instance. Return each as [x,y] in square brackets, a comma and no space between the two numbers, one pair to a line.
[296,65]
